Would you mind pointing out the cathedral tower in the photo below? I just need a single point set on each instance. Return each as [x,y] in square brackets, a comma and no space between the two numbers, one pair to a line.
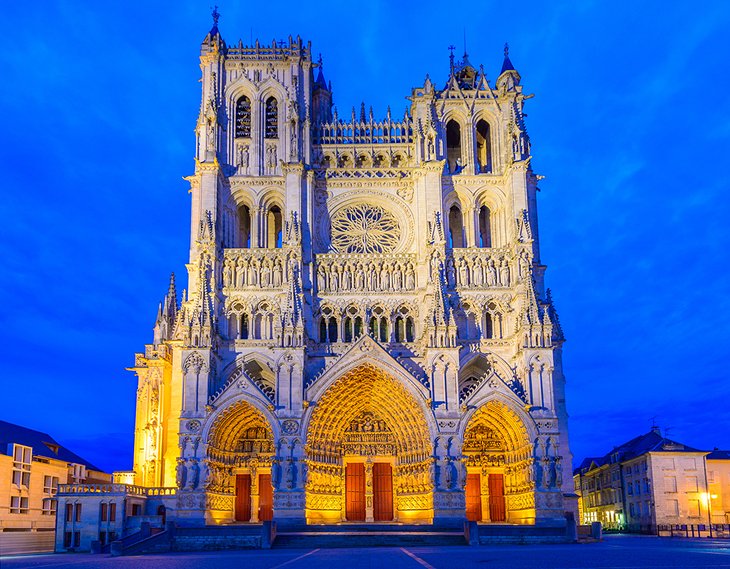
[366,333]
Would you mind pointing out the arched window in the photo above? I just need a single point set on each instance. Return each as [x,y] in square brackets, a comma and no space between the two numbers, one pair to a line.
[233,327]
[484,147]
[258,325]
[410,330]
[383,329]
[358,327]
[323,330]
[485,227]
[274,224]
[332,330]
[243,117]
[271,127]
[348,329]
[400,329]
[456,227]
[453,147]
[244,227]
[243,330]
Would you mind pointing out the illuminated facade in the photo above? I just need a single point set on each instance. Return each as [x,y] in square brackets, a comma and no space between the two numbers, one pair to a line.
[366,335]
[652,481]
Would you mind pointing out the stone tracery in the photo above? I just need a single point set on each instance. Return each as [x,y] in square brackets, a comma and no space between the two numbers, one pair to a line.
[364,228]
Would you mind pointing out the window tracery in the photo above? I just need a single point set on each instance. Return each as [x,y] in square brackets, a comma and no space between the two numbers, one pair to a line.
[271,129]
[364,228]
[243,117]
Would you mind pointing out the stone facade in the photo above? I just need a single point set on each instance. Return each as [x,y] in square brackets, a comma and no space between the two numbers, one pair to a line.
[32,468]
[651,481]
[366,334]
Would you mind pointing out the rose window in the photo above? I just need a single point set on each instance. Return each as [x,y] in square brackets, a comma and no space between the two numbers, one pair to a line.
[364,228]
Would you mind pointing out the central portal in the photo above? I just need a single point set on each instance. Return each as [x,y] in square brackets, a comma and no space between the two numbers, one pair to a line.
[369,453]
[368,492]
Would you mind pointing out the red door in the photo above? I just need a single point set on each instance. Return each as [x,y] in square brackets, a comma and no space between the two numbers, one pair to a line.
[382,492]
[266,498]
[243,497]
[355,492]
[474,497]
[497,508]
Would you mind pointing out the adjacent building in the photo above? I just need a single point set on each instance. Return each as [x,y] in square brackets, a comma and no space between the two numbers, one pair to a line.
[32,466]
[718,482]
[366,333]
[653,481]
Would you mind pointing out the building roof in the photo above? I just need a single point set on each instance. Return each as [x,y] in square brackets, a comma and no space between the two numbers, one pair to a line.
[653,441]
[43,444]
[718,454]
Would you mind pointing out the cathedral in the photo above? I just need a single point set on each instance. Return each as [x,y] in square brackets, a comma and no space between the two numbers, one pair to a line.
[366,335]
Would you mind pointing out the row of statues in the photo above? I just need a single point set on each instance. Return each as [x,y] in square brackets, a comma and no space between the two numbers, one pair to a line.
[247,271]
[478,272]
[380,276]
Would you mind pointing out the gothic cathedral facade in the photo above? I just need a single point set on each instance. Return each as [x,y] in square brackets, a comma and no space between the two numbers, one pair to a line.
[365,335]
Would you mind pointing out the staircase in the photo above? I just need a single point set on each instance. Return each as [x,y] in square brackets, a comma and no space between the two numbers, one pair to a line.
[365,535]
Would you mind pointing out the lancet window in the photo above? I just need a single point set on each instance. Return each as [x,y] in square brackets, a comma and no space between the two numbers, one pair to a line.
[484,147]
[275,226]
[243,117]
[485,227]
[327,326]
[456,227]
[404,327]
[263,323]
[379,325]
[353,325]
[493,325]
[244,227]
[453,147]
[271,126]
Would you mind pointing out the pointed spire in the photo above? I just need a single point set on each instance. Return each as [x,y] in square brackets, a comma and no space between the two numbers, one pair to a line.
[451,49]
[507,64]
[320,83]
[214,36]
[362,112]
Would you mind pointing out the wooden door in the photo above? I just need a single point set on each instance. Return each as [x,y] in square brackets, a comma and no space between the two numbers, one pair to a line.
[266,498]
[474,497]
[243,497]
[497,507]
[355,492]
[382,492]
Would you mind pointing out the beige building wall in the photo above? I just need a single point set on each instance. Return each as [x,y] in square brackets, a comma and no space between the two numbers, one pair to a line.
[27,500]
[680,488]
[718,478]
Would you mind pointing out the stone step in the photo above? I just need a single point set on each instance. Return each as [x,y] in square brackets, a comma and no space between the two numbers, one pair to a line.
[369,538]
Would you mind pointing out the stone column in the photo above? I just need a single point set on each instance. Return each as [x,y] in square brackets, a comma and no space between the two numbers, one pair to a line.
[369,494]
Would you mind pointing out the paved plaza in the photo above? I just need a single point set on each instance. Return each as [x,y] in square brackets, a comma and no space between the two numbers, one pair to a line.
[615,552]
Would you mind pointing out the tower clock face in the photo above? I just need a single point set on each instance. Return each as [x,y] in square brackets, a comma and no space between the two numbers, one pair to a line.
[364,228]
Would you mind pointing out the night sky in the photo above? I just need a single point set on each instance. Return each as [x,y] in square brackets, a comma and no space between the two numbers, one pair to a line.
[630,126]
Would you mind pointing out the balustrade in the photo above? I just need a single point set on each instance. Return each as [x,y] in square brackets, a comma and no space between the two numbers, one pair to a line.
[338,273]
[115,489]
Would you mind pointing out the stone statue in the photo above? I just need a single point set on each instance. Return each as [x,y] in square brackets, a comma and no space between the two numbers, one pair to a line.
[180,473]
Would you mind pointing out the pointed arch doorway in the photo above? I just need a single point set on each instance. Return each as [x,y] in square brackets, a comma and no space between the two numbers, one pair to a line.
[369,452]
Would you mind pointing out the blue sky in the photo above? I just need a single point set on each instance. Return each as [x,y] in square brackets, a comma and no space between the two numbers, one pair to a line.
[630,125]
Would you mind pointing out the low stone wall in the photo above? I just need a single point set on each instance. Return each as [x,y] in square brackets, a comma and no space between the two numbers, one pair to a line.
[208,539]
[522,535]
